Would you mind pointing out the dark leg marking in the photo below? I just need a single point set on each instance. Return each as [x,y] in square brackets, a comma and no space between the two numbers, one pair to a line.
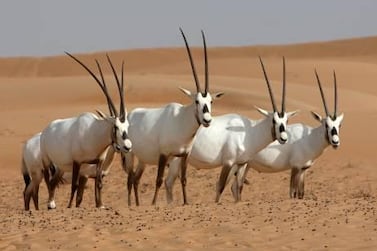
[160,174]
[222,181]
[183,177]
[75,177]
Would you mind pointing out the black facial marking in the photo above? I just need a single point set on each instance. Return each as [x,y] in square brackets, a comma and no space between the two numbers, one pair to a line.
[205,108]
[333,131]
[124,135]
[204,94]
[196,101]
[281,128]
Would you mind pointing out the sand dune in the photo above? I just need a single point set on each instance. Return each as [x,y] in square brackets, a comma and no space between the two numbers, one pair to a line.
[338,212]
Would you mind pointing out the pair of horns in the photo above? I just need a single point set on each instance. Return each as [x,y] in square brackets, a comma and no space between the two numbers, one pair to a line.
[323,95]
[270,89]
[193,66]
[102,84]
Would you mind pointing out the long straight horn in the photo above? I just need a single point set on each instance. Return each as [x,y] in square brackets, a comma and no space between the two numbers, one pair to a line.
[322,95]
[335,96]
[268,85]
[120,91]
[109,101]
[205,64]
[191,61]
[101,84]
[123,109]
[283,94]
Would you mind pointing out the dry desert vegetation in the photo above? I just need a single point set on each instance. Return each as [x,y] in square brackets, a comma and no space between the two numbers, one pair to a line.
[339,211]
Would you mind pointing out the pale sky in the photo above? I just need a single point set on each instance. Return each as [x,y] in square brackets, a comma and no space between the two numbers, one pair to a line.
[50,27]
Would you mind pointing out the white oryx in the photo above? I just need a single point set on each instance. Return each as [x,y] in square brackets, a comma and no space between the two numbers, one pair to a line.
[69,143]
[161,133]
[233,140]
[33,172]
[305,144]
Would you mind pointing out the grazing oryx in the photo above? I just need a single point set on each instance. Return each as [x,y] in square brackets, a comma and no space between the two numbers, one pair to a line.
[305,144]
[233,140]
[69,143]
[33,172]
[160,133]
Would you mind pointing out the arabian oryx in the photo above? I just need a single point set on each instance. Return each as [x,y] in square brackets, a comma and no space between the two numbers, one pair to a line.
[233,140]
[69,143]
[305,144]
[33,172]
[161,133]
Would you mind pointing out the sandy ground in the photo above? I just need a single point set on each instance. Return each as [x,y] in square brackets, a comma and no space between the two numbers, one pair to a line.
[338,211]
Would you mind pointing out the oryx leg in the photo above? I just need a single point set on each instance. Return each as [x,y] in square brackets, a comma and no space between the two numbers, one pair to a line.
[75,179]
[80,191]
[130,182]
[226,173]
[173,173]
[35,196]
[160,175]
[301,183]
[127,165]
[183,177]
[294,182]
[52,184]
[98,185]
[31,189]
[136,180]
[237,185]
[27,195]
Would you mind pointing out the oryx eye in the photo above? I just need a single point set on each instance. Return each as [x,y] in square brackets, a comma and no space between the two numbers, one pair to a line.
[197,101]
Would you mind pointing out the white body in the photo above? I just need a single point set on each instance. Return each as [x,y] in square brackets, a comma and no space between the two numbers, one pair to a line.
[232,140]
[304,145]
[160,133]
[79,139]
[168,131]
[71,142]
[32,167]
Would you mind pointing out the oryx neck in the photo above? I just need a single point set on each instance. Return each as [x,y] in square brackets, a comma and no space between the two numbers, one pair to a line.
[318,140]
[260,134]
[190,112]
[103,133]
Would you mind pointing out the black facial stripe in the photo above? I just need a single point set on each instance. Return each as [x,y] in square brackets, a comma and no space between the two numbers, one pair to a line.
[124,135]
[205,108]
[333,131]
[281,128]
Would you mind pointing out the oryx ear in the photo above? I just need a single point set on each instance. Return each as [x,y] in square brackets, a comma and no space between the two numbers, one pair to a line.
[217,95]
[292,114]
[340,117]
[101,114]
[187,92]
[316,116]
[262,111]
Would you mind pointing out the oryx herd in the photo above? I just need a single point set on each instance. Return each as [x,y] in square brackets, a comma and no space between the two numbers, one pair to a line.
[173,136]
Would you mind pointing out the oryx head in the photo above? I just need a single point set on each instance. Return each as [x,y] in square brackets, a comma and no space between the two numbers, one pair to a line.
[119,134]
[331,123]
[203,99]
[279,119]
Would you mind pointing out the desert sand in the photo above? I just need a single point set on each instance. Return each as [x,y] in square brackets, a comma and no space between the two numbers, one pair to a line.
[339,211]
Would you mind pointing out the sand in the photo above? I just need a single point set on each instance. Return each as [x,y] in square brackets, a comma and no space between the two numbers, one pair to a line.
[338,211]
